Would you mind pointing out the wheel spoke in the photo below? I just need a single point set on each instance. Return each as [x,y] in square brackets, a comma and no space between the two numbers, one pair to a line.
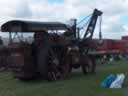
[53,75]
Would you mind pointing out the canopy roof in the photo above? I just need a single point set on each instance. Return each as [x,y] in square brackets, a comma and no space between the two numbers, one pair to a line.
[31,26]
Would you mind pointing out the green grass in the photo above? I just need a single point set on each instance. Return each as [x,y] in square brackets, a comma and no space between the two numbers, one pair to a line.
[76,85]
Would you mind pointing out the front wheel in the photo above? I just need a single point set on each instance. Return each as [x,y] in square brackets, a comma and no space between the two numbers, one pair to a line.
[88,64]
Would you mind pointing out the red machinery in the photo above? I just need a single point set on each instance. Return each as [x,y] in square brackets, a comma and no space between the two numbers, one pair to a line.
[111,46]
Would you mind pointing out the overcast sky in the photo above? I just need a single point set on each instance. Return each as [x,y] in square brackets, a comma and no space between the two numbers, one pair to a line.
[115,12]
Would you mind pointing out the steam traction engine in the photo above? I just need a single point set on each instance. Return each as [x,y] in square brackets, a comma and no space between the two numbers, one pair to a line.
[51,55]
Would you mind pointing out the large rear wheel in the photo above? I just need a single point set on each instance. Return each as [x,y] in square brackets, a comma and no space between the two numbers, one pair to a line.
[58,69]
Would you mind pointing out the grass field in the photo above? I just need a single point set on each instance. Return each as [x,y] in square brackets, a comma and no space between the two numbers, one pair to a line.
[76,85]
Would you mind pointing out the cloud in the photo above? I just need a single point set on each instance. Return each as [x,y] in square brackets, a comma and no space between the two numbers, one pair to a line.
[14,9]
[44,10]
[112,13]
[23,9]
